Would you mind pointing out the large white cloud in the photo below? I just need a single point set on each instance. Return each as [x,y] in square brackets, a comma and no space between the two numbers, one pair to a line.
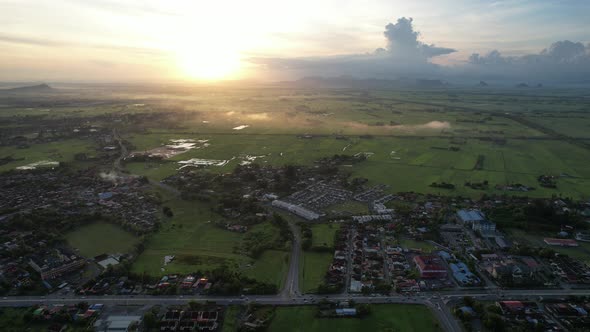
[404,55]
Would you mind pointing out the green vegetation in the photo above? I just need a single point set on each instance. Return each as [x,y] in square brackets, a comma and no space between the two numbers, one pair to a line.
[19,319]
[199,245]
[413,244]
[230,323]
[535,239]
[323,235]
[312,270]
[391,317]
[101,238]
[270,267]
[60,151]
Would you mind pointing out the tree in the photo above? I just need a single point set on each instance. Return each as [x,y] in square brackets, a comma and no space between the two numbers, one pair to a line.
[494,322]
[149,320]
[363,309]
[167,212]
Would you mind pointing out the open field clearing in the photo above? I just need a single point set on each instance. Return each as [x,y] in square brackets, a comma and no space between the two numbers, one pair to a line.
[60,151]
[389,317]
[582,252]
[312,269]
[101,238]
[323,235]
[198,245]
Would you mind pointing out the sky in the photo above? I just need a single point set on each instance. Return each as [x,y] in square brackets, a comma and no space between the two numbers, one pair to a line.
[144,40]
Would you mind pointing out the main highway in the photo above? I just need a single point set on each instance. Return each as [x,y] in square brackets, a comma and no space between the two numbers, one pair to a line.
[436,301]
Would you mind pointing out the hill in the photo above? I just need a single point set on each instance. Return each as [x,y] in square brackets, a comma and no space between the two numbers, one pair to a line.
[31,88]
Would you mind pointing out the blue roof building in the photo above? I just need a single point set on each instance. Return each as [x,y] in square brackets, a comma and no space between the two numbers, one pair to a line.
[470,216]
[463,275]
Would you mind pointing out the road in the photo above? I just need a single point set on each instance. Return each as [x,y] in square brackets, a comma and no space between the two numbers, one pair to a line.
[291,287]
[435,301]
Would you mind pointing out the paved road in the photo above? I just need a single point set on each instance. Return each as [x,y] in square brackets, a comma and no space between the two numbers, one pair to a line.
[435,301]
[291,287]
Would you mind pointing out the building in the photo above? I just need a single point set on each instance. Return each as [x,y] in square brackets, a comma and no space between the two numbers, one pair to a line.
[55,263]
[346,312]
[296,210]
[468,217]
[561,242]
[483,226]
[431,267]
[463,275]
[116,323]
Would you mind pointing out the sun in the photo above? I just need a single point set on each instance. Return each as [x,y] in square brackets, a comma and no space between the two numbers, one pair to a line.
[208,63]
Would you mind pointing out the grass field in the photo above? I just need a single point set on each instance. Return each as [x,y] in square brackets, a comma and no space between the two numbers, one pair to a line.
[323,234]
[198,245]
[582,252]
[412,244]
[270,267]
[101,238]
[312,269]
[230,323]
[62,151]
[389,317]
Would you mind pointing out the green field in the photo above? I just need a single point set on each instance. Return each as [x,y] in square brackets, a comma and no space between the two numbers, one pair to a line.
[312,270]
[230,323]
[405,164]
[323,234]
[413,244]
[61,151]
[101,238]
[382,318]
[582,252]
[270,267]
[198,245]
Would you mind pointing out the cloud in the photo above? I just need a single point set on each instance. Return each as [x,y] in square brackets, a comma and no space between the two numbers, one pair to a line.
[403,55]
[562,61]
[403,41]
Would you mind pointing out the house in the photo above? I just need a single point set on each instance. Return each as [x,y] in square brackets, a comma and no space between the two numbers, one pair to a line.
[349,312]
[116,323]
[561,242]
[463,275]
[430,266]
[511,307]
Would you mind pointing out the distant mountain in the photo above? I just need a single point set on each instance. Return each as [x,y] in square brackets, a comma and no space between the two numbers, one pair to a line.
[32,88]
[522,85]
[482,83]
[348,82]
